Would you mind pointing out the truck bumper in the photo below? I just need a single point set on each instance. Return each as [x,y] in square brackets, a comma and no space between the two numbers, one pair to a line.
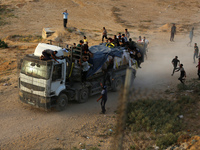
[35,100]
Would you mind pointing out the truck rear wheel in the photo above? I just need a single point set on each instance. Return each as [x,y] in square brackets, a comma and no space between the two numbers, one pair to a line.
[117,83]
[83,95]
[61,102]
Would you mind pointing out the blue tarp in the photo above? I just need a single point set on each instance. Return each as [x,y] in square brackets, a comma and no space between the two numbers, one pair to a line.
[100,55]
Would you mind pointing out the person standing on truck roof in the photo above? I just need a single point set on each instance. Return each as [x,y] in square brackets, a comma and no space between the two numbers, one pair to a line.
[48,54]
[65,17]
[85,68]
[127,34]
[175,62]
[104,34]
[103,99]
[116,41]
[173,32]
[85,40]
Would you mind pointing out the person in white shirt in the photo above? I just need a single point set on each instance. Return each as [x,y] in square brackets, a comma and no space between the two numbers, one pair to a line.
[127,34]
[85,68]
[145,43]
[65,17]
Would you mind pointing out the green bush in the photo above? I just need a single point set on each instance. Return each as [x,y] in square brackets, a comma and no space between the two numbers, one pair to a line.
[3,44]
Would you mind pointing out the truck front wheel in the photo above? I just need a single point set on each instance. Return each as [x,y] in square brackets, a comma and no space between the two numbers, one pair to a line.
[116,84]
[83,95]
[61,102]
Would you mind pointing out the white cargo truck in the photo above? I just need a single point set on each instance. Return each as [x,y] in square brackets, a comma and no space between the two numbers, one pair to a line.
[47,84]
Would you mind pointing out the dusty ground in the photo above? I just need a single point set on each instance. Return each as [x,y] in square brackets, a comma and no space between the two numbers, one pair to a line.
[23,127]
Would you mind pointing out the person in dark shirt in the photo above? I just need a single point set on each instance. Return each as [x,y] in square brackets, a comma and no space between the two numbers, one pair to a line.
[182,73]
[198,71]
[103,99]
[196,51]
[173,32]
[175,62]
[48,54]
[80,45]
[116,41]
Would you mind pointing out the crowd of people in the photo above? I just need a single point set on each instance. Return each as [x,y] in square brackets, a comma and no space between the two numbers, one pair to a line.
[138,50]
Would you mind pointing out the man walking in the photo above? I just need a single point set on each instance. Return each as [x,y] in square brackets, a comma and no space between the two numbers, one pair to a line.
[173,32]
[65,17]
[182,73]
[104,34]
[103,99]
[175,62]
[191,36]
[196,51]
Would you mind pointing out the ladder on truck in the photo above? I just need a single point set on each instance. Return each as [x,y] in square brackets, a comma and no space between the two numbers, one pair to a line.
[76,56]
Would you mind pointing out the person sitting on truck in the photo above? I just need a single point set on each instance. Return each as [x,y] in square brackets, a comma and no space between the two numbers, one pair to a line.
[48,54]
[110,44]
[85,68]
[85,40]
[116,41]
[79,46]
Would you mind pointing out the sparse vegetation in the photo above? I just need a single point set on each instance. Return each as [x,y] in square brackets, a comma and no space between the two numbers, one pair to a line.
[162,119]
[25,38]
[3,44]
[162,122]
[5,13]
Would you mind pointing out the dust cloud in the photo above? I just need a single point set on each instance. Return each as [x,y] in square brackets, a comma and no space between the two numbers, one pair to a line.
[157,68]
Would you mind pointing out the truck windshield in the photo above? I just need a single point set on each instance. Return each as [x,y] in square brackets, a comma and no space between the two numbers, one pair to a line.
[36,69]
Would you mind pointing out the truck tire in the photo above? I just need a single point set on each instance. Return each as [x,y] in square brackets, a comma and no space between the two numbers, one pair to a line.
[117,83]
[61,102]
[83,95]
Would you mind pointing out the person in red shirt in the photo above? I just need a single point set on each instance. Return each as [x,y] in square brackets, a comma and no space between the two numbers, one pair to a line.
[198,71]
[139,40]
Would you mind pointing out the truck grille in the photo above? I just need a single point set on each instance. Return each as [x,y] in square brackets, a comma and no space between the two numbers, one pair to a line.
[33,87]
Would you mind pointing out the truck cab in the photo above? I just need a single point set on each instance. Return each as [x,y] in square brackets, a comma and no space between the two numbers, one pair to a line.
[40,82]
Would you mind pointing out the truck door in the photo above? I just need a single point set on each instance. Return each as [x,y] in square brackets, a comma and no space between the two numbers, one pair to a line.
[57,83]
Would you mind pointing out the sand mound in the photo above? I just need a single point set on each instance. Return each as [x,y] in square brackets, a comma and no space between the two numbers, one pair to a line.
[165,28]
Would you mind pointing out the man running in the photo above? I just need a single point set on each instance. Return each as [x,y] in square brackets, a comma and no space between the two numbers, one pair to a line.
[182,73]
[175,62]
